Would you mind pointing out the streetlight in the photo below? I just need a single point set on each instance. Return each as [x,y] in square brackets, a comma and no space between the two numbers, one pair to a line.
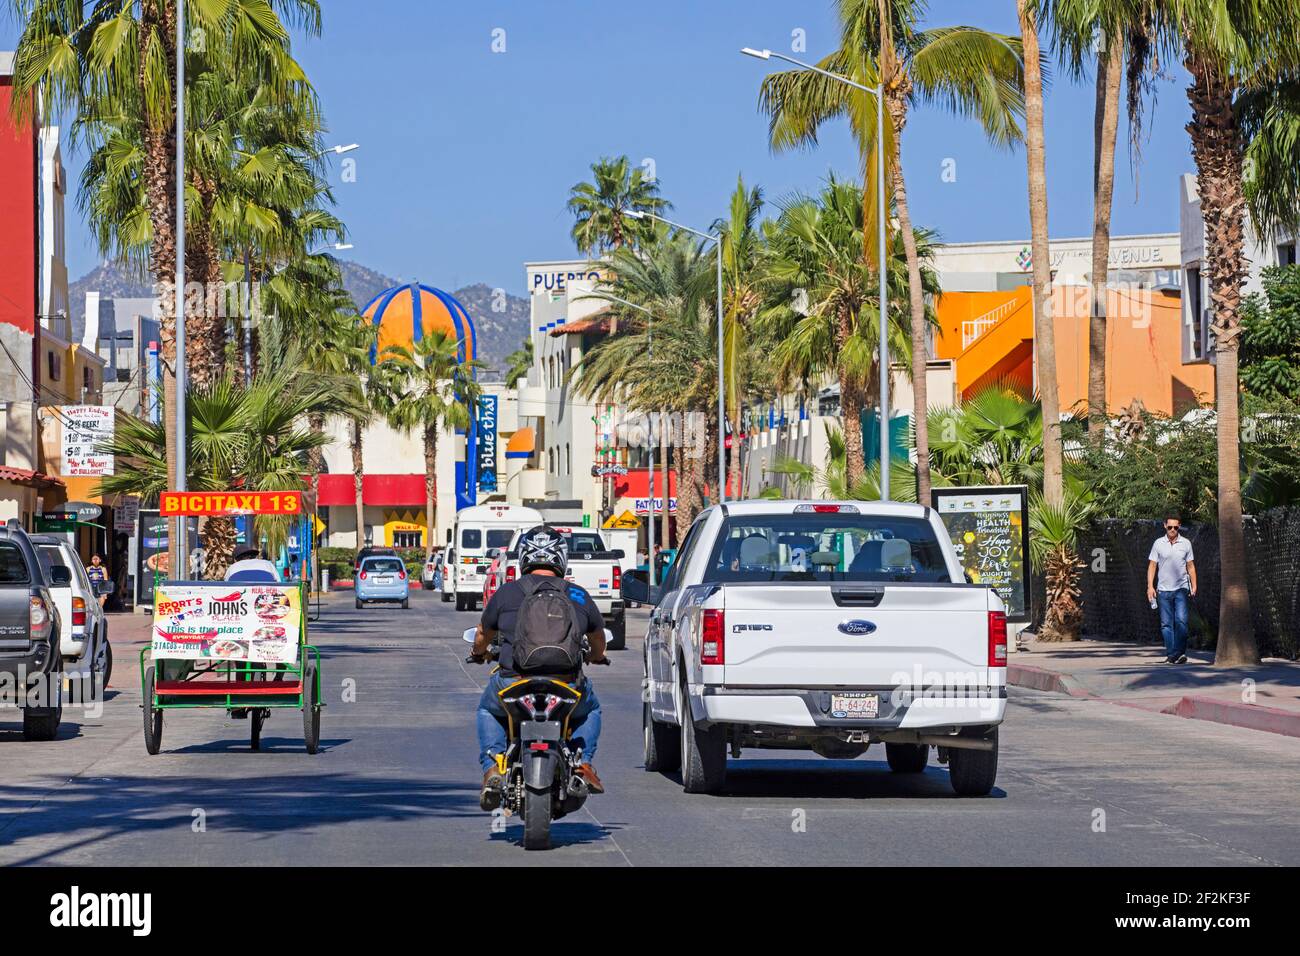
[722,395]
[182,464]
[339,150]
[879,93]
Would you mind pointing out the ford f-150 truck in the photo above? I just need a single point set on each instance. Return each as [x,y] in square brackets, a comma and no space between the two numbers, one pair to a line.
[824,626]
[30,672]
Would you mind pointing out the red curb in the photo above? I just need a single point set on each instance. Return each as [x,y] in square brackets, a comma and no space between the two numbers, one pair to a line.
[1271,720]
[1040,678]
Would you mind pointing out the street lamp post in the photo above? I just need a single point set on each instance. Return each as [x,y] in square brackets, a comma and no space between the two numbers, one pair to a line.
[879,93]
[182,464]
[722,394]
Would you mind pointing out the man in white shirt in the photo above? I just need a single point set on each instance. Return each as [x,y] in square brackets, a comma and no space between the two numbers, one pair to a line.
[1171,580]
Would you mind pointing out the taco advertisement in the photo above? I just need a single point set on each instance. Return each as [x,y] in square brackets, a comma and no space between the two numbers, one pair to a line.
[226,621]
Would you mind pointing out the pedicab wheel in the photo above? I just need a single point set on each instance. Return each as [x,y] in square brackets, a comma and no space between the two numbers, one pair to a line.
[256,717]
[537,819]
[153,717]
[310,710]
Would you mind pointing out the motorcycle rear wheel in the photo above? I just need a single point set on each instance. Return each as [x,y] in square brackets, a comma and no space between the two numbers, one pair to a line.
[537,819]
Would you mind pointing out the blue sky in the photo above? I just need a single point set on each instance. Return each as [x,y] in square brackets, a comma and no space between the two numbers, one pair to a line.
[468,155]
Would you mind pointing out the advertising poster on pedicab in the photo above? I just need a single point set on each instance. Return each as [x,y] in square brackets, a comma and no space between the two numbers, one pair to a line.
[989,527]
[255,623]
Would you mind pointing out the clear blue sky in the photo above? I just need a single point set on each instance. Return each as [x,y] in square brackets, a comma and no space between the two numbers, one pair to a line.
[468,155]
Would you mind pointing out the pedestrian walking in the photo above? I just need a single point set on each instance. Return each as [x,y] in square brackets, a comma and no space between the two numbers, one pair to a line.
[1171,581]
[98,574]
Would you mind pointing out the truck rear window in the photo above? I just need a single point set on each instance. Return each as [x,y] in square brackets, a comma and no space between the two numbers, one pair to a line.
[826,547]
[13,569]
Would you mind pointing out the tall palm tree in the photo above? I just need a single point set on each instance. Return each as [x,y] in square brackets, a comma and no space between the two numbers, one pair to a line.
[435,390]
[616,187]
[816,246]
[109,57]
[741,250]
[1229,50]
[666,361]
[1044,329]
[969,71]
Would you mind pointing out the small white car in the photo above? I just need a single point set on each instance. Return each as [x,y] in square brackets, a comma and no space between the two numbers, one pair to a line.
[87,654]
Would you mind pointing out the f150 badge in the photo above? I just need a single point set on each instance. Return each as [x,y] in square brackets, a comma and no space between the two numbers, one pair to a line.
[857,627]
[738,628]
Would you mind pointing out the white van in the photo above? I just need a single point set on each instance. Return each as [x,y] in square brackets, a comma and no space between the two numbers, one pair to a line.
[477,531]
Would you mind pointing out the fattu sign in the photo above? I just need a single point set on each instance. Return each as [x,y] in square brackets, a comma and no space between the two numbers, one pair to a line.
[221,503]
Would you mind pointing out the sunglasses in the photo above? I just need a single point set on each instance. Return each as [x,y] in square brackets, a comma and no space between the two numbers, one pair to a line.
[1171,527]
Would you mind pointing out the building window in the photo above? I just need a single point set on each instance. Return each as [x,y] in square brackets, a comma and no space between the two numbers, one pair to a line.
[408,539]
[87,380]
[568,460]
[53,366]
[1194,305]
[1286,254]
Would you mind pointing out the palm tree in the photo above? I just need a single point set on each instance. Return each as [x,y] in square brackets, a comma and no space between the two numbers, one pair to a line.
[434,389]
[1053,544]
[1245,50]
[666,361]
[118,58]
[741,251]
[821,313]
[1044,331]
[519,361]
[617,187]
[969,71]
[239,436]
[993,438]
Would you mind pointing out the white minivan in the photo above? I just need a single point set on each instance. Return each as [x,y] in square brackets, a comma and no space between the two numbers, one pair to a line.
[477,531]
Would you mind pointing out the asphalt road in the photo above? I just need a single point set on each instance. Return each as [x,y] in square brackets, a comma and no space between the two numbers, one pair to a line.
[396,782]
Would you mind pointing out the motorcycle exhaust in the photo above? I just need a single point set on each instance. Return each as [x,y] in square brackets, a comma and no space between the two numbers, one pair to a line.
[578,787]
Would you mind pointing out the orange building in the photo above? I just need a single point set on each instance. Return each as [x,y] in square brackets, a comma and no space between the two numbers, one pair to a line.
[990,336]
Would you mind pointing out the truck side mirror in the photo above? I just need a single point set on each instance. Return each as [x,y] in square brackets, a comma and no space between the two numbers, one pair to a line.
[636,587]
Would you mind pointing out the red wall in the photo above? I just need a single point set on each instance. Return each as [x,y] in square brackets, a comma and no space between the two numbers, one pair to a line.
[19,235]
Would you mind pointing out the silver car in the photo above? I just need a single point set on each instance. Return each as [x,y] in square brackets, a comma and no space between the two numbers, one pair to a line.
[383,578]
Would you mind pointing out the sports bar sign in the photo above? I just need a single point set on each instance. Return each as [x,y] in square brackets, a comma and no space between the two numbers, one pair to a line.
[222,503]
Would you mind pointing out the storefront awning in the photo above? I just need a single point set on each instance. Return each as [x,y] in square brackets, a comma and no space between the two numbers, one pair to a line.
[521,443]
[383,491]
[30,479]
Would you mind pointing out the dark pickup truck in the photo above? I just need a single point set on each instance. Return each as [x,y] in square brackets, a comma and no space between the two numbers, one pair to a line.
[29,636]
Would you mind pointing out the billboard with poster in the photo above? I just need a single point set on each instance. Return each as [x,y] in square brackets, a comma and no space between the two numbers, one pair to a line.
[225,621]
[989,527]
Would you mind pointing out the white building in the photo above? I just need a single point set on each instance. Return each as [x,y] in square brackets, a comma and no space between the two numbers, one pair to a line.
[1144,261]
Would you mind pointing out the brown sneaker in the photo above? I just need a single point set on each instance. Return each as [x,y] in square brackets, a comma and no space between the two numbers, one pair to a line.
[588,774]
[489,797]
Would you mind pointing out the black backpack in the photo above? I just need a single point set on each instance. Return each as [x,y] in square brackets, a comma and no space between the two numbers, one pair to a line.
[548,629]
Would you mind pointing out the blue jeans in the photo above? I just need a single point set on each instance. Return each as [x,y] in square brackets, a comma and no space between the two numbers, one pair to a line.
[584,723]
[1173,621]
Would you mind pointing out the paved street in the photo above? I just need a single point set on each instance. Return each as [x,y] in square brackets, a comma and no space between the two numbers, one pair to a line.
[396,782]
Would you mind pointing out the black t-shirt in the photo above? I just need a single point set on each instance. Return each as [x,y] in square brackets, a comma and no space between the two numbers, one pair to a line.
[501,611]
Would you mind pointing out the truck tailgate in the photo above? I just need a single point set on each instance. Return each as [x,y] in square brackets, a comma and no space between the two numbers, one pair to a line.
[860,635]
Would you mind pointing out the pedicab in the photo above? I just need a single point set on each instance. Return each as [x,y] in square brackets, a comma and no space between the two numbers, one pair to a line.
[239,645]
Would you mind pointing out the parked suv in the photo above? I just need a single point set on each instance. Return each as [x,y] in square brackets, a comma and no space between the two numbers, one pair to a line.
[29,635]
[84,640]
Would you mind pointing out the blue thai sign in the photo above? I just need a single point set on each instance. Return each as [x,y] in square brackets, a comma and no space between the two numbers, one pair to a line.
[487,443]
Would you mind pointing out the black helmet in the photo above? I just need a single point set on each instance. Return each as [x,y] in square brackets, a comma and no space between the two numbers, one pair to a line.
[543,547]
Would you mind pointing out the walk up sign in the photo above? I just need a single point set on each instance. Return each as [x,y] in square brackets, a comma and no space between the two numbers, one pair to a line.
[989,527]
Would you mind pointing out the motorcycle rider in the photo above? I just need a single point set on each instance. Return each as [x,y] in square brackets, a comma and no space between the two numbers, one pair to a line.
[542,551]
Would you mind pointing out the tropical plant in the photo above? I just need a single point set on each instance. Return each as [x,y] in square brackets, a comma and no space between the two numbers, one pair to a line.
[820,317]
[664,356]
[968,71]
[251,437]
[995,437]
[1270,336]
[432,389]
[830,481]
[1044,326]
[1054,546]
[519,361]
[599,206]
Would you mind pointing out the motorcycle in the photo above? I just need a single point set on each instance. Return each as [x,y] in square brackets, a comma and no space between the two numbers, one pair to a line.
[540,761]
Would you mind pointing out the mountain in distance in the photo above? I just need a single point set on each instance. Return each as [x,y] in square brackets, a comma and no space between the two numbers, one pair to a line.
[500,318]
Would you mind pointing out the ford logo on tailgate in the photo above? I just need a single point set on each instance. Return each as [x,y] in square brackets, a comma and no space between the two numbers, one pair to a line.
[857,627]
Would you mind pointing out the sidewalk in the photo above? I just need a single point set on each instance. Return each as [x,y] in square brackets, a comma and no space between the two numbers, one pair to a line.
[1134,675]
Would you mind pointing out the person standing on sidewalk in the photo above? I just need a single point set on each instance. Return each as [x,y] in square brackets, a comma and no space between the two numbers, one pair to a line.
[1171,580]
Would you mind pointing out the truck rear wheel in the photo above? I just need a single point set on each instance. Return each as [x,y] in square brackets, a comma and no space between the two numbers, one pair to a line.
[973,772]
[41,724]
[663,743]
[704,754]
[907,758]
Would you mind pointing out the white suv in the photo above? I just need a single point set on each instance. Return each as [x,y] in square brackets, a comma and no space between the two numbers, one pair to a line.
[83,642]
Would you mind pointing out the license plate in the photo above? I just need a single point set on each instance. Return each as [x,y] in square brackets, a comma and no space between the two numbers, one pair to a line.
[854,706]
[383,580]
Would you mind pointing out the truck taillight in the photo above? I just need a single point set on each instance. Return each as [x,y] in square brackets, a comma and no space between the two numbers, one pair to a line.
[78,612]
[38,618]
[618,577]
[510,573]
[997,639]
[713,648]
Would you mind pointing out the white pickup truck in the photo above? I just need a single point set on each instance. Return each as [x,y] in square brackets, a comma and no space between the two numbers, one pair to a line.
[823,626]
